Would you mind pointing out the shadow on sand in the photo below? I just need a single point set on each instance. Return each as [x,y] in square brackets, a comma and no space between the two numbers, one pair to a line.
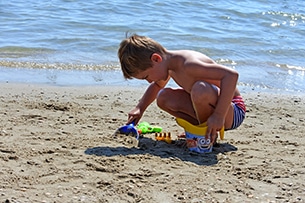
[163,150]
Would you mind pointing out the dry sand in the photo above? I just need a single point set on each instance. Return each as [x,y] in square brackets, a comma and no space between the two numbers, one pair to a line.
[57,145]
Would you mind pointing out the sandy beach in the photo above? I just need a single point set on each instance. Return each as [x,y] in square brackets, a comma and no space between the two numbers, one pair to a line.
[57,145]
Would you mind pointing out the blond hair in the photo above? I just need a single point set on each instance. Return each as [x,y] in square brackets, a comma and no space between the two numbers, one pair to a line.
[135,52]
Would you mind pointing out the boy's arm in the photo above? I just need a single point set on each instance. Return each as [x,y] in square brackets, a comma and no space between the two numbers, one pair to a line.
[148,97]
[227,88]
[226,79]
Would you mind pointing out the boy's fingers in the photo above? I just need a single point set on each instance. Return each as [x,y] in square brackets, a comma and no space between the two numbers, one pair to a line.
[208,133]
[211,134]
[131,119]
[213,138]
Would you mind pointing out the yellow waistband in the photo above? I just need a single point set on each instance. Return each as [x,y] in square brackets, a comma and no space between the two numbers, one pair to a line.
[197,129]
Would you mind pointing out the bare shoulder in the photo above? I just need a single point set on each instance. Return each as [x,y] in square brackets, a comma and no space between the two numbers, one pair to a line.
[190,56]
[195,55]
[187,61]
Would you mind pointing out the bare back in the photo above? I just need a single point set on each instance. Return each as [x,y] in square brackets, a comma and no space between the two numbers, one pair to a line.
[187,67]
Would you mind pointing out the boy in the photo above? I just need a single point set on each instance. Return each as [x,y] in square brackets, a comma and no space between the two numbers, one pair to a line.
[208,90]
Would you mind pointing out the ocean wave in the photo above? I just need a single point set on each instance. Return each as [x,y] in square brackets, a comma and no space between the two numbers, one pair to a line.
[19,51]
[291,67]
[57,66]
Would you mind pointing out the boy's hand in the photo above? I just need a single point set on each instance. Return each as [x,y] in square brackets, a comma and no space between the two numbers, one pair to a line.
[214,123]
[134,116]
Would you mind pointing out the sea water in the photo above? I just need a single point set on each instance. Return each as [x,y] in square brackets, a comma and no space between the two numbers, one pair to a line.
[71,42]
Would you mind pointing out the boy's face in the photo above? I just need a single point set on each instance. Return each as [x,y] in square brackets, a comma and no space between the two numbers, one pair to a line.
[153,73]
[148,74]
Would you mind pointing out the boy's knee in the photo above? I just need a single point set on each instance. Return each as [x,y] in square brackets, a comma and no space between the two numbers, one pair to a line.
[202,91]
[199,89]
[162,97]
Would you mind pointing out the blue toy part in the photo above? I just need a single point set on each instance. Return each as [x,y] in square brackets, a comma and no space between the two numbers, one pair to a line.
[196,136]
[129,129]
[198,143]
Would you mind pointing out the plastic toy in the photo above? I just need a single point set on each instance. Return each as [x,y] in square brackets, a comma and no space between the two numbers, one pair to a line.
[166,137]
[195,136]
[145,127]
[128,129]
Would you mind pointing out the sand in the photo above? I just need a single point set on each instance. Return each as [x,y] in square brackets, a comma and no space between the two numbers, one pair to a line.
[57,145]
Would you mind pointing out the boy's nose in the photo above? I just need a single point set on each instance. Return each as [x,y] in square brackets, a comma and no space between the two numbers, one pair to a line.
[148,80]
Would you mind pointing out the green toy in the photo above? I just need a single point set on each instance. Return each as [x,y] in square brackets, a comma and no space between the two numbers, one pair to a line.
[145,127]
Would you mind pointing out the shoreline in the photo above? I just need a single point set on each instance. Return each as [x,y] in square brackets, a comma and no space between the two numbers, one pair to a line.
[114,77]
[57,145]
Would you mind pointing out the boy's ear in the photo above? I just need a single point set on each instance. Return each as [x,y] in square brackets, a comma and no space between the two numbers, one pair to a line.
[156,57]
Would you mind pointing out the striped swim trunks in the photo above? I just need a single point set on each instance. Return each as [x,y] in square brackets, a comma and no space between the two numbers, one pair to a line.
[239,111]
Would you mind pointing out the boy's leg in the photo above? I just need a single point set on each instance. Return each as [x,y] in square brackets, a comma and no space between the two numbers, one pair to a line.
[195,107]
[204,97]
[178,103]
